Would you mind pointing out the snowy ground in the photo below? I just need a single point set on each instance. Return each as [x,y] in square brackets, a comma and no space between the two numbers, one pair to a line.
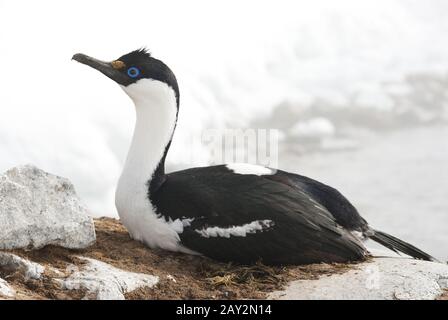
[397,180]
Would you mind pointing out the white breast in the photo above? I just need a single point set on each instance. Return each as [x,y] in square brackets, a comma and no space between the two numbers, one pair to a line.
[140,219]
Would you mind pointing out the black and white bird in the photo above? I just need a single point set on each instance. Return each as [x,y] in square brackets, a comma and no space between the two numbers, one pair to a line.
[237,212]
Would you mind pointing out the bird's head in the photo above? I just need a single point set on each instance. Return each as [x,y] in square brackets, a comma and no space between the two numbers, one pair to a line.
[134,72]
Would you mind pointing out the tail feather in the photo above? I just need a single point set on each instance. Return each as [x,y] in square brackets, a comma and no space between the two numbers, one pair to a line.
[398,245]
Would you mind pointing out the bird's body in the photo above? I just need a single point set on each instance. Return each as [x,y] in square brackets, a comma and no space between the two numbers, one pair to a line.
[246,217]
[236,212]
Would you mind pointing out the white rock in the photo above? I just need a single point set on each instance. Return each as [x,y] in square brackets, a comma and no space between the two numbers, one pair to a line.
[11,263]
[105,282]
[6,290]
[38,209]
[382,278]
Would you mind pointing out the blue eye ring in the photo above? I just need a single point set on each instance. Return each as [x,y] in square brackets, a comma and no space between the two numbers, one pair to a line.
[133,72]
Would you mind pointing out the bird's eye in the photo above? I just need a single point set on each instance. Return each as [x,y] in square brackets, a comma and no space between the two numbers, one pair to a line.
[133,72]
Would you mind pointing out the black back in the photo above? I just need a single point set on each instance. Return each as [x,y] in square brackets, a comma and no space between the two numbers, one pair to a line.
[303,230]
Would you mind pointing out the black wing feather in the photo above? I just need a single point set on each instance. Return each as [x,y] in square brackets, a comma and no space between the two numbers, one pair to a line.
[303,232]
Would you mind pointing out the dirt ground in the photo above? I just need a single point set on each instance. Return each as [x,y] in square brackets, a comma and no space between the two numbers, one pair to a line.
[444,296]
[194,277]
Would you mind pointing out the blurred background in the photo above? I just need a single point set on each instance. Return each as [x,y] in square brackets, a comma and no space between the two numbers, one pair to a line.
[357,89]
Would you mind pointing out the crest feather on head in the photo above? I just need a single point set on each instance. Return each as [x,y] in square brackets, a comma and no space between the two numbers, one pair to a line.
[136,56]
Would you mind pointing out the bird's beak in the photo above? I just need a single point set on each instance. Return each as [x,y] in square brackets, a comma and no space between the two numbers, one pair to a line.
[109,69]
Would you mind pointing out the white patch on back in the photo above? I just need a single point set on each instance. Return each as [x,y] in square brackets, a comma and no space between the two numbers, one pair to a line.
[179,224]
[155,104]
[236,231]
[358,234]
[247,168]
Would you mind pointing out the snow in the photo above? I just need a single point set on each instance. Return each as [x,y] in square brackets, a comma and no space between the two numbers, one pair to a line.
[315,127]
[397,182]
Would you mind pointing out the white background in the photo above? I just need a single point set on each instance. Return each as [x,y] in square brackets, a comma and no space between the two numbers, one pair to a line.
[236,62]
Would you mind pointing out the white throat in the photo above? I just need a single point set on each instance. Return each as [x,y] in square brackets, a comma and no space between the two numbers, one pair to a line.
[156,108]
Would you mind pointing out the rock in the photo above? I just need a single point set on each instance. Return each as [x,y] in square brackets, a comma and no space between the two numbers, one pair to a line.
[385,278]
[96,280]
[6,290]
[105,282]
[11,263]
[39,209]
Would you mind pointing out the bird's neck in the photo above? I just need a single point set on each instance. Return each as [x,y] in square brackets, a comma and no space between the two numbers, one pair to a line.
[156,116]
